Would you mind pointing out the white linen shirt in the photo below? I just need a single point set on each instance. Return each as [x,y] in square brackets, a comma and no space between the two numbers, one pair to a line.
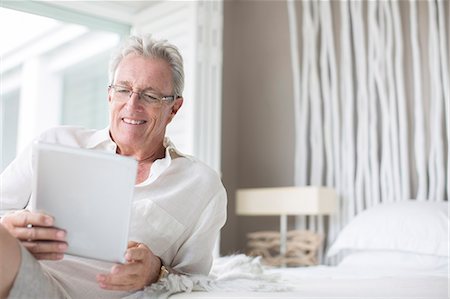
[177,212]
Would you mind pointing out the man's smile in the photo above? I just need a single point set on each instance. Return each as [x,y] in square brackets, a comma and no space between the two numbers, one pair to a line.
[133,121]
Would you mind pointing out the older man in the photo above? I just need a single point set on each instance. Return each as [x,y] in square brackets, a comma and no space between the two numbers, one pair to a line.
[179,203]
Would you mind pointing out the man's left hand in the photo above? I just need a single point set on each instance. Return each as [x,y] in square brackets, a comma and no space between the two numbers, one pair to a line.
[141,269]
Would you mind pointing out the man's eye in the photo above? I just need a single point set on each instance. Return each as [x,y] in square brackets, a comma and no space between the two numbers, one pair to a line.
[122,90]
[149,97]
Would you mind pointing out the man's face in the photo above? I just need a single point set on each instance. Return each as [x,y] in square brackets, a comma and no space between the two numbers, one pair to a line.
[135,124]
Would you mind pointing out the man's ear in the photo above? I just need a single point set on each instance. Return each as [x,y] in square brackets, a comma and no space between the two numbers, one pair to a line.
[175,107]
[109,96]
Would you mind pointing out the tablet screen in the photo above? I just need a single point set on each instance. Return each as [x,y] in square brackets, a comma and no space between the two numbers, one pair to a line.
[89,193]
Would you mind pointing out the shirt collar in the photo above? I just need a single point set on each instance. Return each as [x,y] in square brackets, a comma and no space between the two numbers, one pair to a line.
[102,139]
[171,150]
[160,165]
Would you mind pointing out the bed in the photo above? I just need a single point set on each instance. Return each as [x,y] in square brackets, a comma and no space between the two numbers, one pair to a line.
[392,250]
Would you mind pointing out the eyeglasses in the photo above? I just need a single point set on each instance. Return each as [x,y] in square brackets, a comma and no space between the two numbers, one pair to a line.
[123,93]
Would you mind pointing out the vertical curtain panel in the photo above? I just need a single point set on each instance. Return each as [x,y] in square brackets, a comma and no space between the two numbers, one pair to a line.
[372,102]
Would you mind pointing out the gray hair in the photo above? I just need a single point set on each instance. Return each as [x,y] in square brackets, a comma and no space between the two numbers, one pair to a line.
[148,46]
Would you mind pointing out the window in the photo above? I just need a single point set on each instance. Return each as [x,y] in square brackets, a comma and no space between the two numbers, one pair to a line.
[52,73]
[85,93]
[9,126]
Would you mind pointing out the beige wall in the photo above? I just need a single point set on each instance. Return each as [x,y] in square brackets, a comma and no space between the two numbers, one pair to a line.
[258,115]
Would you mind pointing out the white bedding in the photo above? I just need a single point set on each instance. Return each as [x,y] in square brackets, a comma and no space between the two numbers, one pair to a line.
[244,277]
[391,250]
[338,282]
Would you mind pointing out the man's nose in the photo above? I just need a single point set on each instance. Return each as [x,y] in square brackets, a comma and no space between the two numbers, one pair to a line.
[134,99]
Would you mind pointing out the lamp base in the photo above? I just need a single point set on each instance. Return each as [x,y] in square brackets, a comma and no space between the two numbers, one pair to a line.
[302,247]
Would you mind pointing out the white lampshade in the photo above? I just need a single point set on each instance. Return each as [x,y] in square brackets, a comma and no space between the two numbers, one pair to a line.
[307,200]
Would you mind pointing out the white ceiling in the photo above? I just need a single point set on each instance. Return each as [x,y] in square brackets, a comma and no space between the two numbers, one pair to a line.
[131,7]
[121,11]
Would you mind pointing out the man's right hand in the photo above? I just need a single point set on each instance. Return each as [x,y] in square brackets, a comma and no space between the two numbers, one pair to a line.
[36,232]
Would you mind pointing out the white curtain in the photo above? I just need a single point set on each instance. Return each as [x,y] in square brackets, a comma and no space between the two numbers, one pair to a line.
[372,101]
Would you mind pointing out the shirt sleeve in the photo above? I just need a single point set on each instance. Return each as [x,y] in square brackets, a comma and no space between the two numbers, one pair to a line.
[15,182]
[195,256]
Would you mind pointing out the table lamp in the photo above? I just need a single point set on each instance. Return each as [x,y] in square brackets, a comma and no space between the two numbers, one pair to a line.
[284,201]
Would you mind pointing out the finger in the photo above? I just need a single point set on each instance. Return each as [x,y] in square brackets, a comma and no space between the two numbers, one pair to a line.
[117,280]
[132,244]
[25,218]
[126,269]
[136,253]
[126,287]
[39,233]
[45,247]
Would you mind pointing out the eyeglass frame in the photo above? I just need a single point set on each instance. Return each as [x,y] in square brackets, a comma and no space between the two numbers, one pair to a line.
[160,99]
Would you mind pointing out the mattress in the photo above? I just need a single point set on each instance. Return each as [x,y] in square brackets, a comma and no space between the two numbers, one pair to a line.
[342,282]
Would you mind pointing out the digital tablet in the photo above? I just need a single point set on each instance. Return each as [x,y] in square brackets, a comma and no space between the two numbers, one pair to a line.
[89,193]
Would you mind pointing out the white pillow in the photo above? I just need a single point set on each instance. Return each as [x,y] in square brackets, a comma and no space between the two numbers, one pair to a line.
[409,226]
[395,259]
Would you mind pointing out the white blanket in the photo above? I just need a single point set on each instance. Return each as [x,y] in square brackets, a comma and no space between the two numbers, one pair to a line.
[240,276]
[231,273]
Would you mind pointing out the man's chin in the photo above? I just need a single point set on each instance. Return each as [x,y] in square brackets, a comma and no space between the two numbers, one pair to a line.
[130,139]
